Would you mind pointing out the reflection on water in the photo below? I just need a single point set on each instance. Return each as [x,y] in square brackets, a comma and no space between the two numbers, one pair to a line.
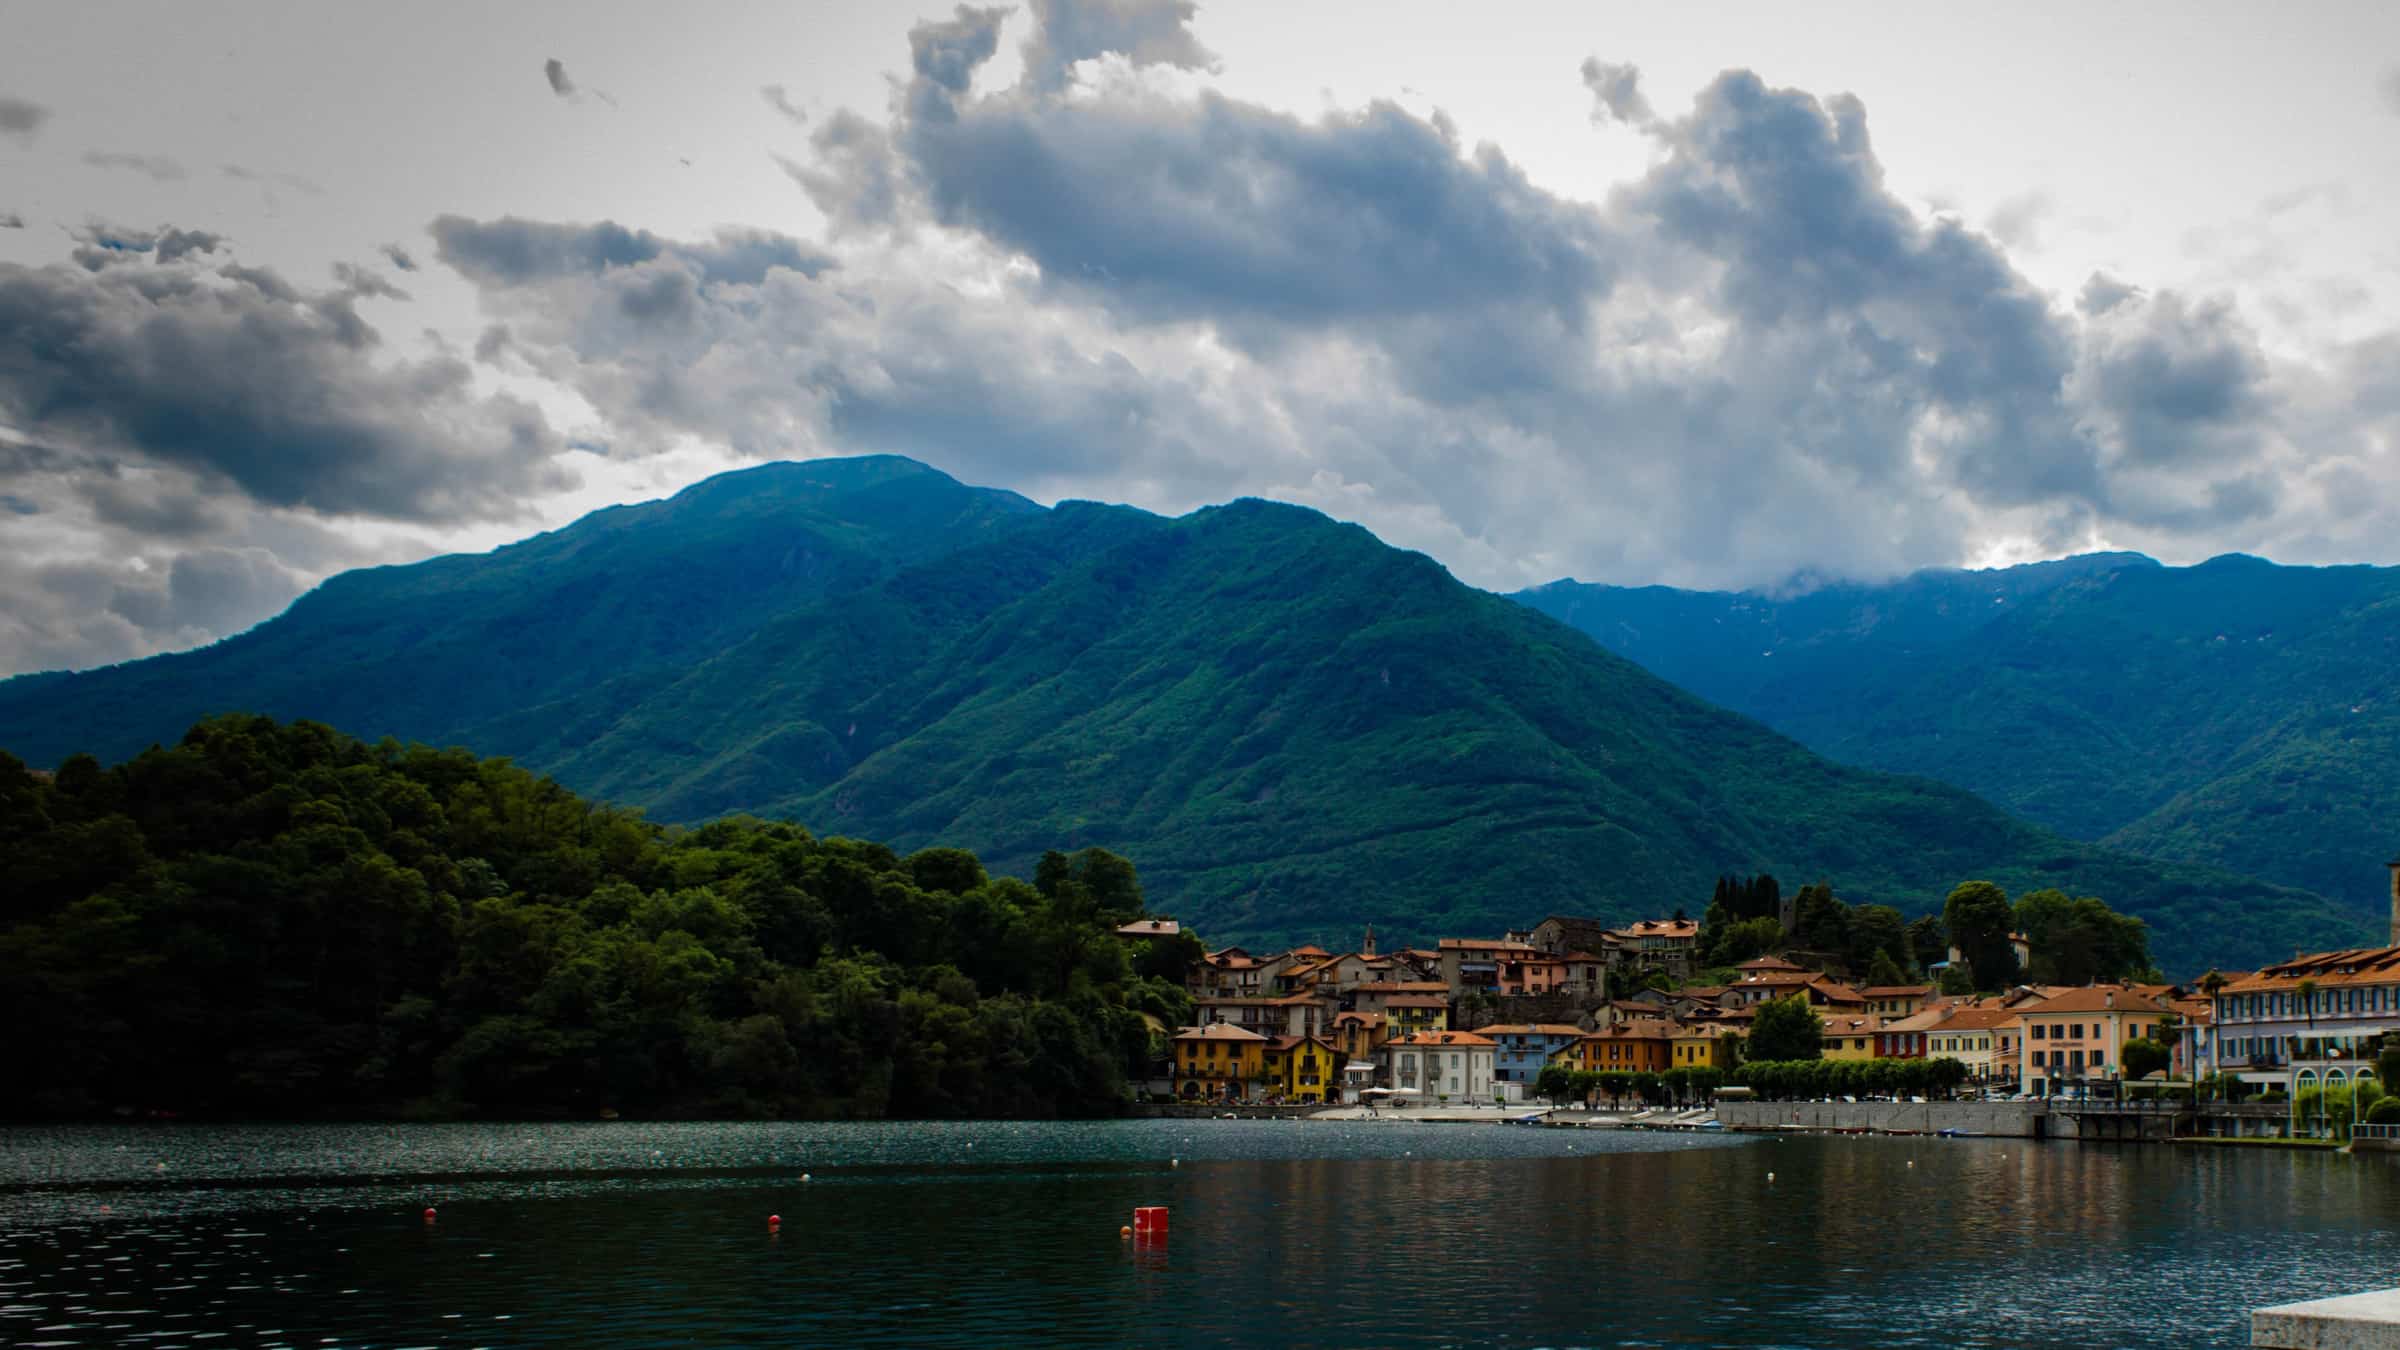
[1282,1234]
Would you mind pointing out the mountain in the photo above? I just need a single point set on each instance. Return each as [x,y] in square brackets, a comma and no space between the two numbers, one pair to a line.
[2236,712]
[1292,728]
[594,615]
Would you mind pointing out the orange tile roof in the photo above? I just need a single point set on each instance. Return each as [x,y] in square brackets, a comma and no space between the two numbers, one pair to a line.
[2095,998]
[1458,1038]
[1974,1019]
[1897,990]
[2358,965]
[1217,1031]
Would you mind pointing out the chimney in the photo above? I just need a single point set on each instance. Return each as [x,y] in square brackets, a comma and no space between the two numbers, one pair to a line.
[2110,998]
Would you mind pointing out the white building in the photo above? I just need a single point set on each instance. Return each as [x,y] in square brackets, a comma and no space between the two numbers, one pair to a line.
[1456,1065]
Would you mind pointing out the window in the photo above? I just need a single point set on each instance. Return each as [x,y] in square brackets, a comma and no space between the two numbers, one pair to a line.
[2036,1032]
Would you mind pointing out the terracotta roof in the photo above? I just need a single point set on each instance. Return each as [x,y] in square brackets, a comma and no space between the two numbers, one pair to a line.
[1836,991]
[1630,1031]
[1974,1019]
[1851,1026]
[1310,949]
[2097,998]
[1922,1020]
[1704,1030]
[1897,990]
[1340,1018]
[1672,928]
[1459,1038]
[1768,963]
[1532,1029]
[1290,1042]
[1217,1031]
[2358,965]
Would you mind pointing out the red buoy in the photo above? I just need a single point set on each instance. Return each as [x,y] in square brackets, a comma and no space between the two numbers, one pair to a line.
[1150,1221]
[429,1214]
[774,1221]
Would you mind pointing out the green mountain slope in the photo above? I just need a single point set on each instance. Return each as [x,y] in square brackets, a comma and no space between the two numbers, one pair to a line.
[2234,712]
[487,648]
[1291,727]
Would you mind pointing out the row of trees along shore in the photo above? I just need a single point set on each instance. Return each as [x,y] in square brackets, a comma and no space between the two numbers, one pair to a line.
[2074,940]
[276,920]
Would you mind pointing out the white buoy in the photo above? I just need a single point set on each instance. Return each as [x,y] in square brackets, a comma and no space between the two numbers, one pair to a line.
[1174,1162]
[1770,1176]
[806,1177]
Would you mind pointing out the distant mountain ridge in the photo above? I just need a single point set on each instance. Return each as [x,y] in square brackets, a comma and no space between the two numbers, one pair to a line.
[1291,727]
[2236,712]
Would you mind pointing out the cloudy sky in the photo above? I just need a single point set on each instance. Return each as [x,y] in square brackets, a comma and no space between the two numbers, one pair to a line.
[1701,295]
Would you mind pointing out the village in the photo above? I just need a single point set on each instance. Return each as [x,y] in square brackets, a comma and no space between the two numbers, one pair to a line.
[1577,1010]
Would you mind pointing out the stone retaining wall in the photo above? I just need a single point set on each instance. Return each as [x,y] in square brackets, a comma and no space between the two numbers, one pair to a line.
[2011,1120]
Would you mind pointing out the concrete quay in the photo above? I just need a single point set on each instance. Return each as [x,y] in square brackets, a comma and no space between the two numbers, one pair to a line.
[2000,1120]
[2368,1321]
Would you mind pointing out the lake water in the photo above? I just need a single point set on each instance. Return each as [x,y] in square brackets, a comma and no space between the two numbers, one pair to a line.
[1282,1233]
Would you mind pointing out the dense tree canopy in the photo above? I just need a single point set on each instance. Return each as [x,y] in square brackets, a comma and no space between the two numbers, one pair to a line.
[1978,918]
[1786,1029]
[271,919]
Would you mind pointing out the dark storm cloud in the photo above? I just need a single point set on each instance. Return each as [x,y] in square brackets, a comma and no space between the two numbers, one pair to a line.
[1753,359]
[399,257]
[1616,93]
[10,220]
[512,251]
[21,119]
[1144,32]
[555,71]
[1187,208]
[2102,293]
[857,179]
[258,387]
[2180,382]
[160,168]
[781,102]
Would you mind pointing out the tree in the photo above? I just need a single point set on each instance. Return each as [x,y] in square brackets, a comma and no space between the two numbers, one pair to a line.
[1928,945]
[2081,940]
[1554,1082]
[1878,931]
[1820,923]
[1746,938]
[1885,971]
[1786,1029]
[2142,1057]
[1978,916]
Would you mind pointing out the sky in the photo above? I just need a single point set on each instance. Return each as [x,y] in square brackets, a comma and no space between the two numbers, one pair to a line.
[1722,296]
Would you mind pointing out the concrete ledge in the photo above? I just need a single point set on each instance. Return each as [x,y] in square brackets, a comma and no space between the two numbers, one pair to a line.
[2353,1322]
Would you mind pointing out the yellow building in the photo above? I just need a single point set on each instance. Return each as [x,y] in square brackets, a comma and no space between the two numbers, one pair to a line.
[1628,1047]
[1848,1038]
[1705,1045]
[1303,1069]
[1407,1014]
[1219,1062]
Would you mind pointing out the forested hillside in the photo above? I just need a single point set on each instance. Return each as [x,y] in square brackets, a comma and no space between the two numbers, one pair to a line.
[1293,727]
[2235,713]
[279,920]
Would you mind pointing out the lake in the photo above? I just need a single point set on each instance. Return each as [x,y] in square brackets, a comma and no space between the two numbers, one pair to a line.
[1282,1233]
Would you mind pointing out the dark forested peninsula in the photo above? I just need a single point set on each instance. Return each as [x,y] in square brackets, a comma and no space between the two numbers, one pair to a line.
[278,920]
